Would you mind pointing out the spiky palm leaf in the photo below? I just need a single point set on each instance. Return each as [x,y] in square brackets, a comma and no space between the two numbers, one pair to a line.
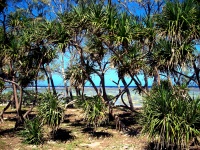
[170,118]
[51,111]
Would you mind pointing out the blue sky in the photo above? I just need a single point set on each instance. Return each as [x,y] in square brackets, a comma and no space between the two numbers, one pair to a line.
[109,76]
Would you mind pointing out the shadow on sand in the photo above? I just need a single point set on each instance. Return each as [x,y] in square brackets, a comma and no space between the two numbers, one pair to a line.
[63,135]
[96,134]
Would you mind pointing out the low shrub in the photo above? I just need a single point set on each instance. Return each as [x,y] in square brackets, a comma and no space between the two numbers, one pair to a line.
[51,111]
[95,111]
[170,118]
[33,131]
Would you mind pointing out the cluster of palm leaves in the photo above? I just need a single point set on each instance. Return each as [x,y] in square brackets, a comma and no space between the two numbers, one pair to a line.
[32,132]
[171,118]
[95,110]
[51,111]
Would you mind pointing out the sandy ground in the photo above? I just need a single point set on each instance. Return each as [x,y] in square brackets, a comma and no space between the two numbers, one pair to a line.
[74,135]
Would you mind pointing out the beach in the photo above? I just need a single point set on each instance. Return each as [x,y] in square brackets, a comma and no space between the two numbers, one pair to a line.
[111,90]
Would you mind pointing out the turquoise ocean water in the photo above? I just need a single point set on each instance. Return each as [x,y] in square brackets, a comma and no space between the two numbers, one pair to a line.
[137,99]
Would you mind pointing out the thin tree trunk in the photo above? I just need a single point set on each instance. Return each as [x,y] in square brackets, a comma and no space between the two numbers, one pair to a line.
[109,3]
[146,82]
[139,86]
[29,111]
[79,91]
[15,94]
[122,99]
[7,106]
[20,119]
[51,79]
[169,79]
[76,89]
[128,94]
[36,92]
[104,87]
[93,85]
[196,70]
[66,89]
[18,103]
[83,64]
[83,89]
[70,93]
[47,76]
[156,76]
[34,102]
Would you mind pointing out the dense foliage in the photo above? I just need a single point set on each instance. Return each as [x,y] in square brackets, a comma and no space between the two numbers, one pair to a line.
[95,111]
[32,132]
[171,117]
[51,111]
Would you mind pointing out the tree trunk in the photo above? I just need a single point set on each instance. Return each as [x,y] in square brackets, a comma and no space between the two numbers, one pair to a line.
[18,103]
[77,91]
[34,102]
[51,79]
[109,3]
[139,86]
[48,81]
[20,118]
[36,92]
[104,87]
[70,93]
[82,88]
[196,70]
[66,89]
[156,76]
[128,94]
[146,82]
[83,64]
[15,94]
[93,85]
[7,106]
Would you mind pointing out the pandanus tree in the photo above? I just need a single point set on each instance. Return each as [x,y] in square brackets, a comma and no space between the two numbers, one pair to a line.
[122,40]
[76,79]
[14,51]
[98,52]
[24,51]
[40,40]
[177,36]
[89,52]
[133,58]
[173,51]
[79,23]
[112,34]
